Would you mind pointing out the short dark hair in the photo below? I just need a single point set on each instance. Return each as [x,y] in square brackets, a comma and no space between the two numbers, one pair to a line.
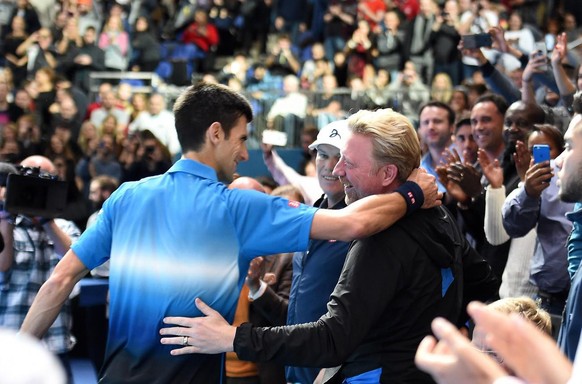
[552,133]
[441,105]
[499,101]
[462,123]
[201,105]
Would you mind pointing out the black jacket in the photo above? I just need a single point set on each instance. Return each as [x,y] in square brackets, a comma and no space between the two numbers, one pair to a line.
[392,286]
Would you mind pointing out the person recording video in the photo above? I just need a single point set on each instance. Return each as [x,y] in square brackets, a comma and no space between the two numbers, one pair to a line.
[33,247]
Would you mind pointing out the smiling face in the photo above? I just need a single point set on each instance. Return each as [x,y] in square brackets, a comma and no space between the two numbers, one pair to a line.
[356,169]
[231,150]
[570,164]
[487,125]
[325,161]
[435,128]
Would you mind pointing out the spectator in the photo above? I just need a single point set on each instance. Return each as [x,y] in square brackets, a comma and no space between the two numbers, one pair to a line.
[151,158]
[34,248]
[159,121]
[408,93]
[444,39]
[25,10]
[419,47]
[39,50]
[358,48]
[436,127]
[282,61]
[145,47]
[104,162]
[441,88]
[389,45]
[114,42]
[536,205]
[340,20]
[89,57]
[110,107]
[288,111]
[201,32]
[465,142]
[16,61]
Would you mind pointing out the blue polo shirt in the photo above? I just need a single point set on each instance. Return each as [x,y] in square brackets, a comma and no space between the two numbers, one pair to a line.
[170,239]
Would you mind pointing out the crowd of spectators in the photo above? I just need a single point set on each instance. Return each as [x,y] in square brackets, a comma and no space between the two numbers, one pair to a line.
[302,64]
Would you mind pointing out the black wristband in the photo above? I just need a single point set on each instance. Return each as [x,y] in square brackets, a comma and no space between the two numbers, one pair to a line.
[412,194]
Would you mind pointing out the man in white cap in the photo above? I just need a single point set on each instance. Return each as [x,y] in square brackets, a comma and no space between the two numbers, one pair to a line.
[315,271]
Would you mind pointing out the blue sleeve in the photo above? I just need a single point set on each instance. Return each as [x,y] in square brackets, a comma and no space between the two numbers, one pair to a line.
[94,246]
[283,225]
[520,213]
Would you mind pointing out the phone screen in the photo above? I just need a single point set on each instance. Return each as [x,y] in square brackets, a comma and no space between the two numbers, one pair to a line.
[541,153]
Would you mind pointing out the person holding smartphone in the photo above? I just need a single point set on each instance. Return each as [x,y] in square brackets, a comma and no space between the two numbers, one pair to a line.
[536,203]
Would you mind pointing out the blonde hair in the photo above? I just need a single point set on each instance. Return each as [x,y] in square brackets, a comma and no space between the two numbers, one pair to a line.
[394,139]
[289,192]
[527,308]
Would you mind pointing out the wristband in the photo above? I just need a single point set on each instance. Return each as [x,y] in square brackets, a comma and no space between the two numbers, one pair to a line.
[412,194]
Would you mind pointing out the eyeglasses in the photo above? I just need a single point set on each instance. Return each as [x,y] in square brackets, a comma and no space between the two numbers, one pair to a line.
[491,353]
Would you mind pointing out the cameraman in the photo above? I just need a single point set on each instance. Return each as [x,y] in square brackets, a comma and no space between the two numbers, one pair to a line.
[33,247]
[153,158]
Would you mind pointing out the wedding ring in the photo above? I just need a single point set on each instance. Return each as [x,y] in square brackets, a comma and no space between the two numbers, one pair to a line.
[185,340]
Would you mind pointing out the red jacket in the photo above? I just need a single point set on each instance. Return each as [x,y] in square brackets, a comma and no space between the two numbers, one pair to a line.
[203,41]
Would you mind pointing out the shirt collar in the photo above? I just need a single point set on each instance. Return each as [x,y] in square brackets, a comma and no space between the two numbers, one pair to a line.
[195,168]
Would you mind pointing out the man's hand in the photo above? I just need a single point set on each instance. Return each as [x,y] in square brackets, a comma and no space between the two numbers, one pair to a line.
[537,178]
[253,279]
[210,334]
[522,158]
[491,169]
[560,50]
[453,359]
[427,182]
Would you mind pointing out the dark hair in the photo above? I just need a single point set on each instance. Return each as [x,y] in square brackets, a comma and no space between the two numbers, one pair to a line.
[203,104]
[552,133]
[462,123]
[441,105]
[499,101]
[106,183]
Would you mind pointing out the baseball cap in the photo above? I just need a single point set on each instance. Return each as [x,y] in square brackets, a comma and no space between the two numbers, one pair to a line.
[333,134]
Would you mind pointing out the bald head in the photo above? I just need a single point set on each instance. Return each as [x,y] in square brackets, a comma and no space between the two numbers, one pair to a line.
[246,183]
[41,162]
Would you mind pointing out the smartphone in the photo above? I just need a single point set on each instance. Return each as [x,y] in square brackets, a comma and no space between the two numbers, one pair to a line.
[273,137]
[541,153]
[541,49]
[479,40]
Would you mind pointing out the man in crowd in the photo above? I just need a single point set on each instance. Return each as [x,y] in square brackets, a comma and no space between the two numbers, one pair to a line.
[436,126]
[392,284]
[315,271]
[33,248]
[183,234]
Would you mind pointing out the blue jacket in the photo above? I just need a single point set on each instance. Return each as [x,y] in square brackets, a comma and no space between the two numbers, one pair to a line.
[572,319]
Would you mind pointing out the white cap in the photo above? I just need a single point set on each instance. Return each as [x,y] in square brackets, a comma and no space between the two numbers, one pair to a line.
[333,134]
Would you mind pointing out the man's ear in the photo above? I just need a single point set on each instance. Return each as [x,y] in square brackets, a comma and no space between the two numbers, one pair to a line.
[389,174]
[215,133]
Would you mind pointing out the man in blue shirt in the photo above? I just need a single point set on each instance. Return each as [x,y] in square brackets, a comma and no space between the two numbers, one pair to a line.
[183,234]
